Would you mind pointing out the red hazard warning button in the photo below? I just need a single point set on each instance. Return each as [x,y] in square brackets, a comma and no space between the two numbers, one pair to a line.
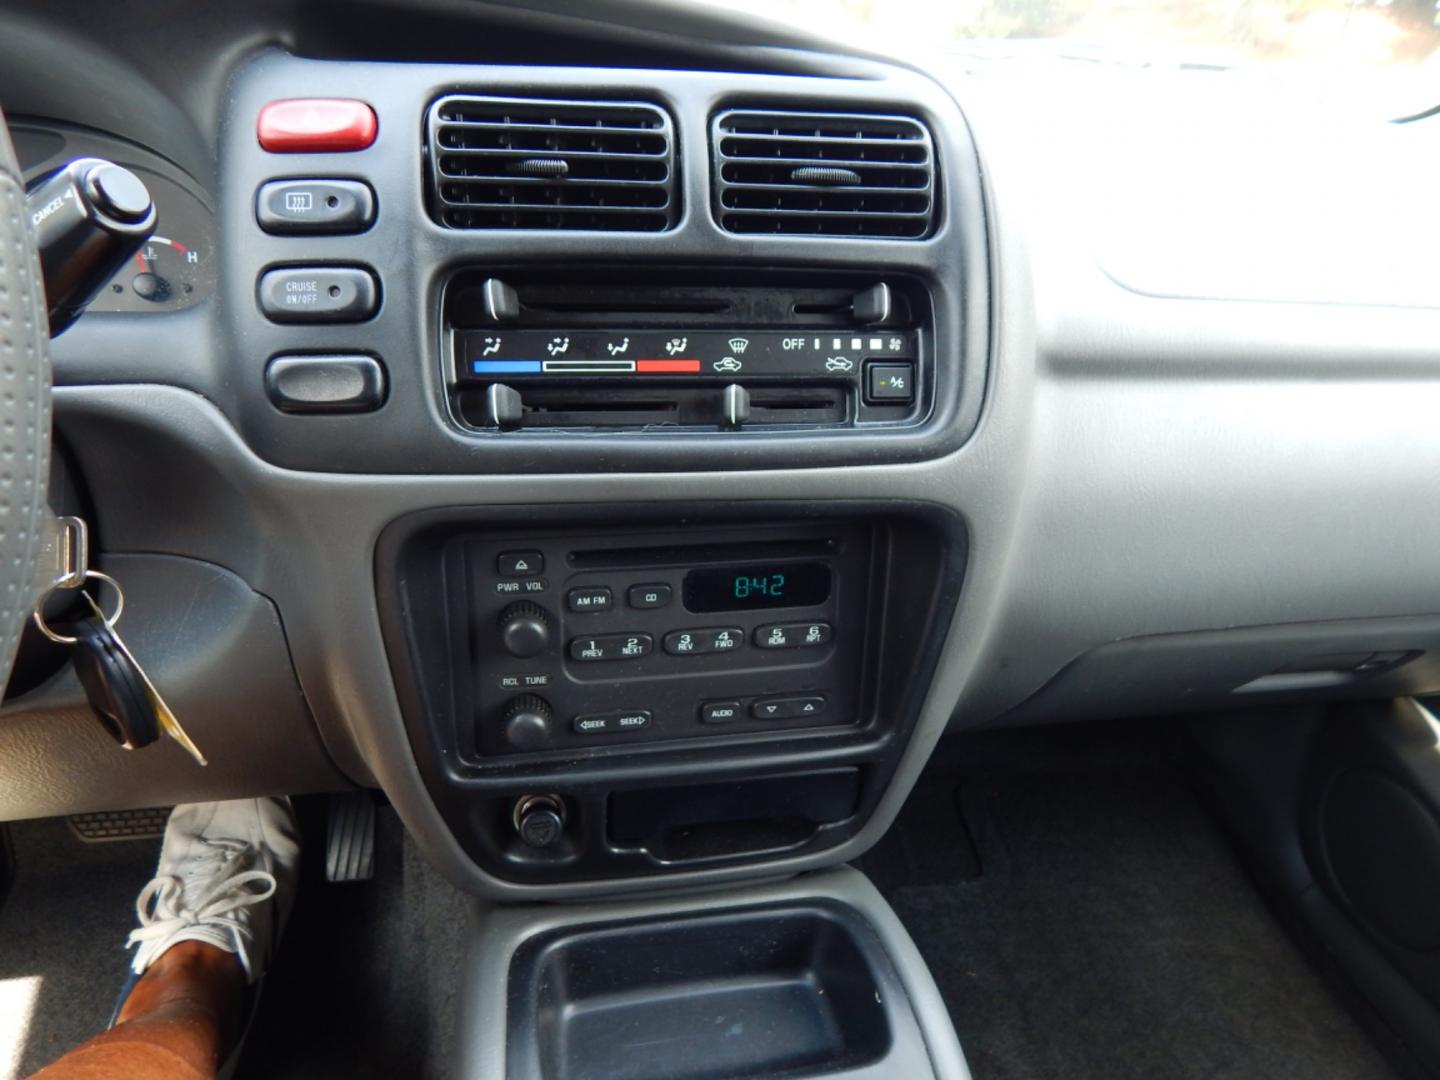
[315,125]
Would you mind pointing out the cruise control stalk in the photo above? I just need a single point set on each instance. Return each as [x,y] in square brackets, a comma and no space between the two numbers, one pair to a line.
[89,218]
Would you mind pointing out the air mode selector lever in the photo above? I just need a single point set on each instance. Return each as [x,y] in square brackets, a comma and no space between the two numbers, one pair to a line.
[525,630]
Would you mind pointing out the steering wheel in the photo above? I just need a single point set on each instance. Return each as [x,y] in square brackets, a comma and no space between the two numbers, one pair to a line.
[24,408]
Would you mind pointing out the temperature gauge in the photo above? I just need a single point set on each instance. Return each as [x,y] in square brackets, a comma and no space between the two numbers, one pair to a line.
[165,271]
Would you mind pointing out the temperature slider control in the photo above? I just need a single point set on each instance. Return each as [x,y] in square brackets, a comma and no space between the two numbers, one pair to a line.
[833,355]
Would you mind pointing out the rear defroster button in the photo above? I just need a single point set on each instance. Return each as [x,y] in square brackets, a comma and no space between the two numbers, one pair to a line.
[309,207]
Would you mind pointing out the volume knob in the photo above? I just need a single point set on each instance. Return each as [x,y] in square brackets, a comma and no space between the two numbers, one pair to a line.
[527,723]
[525,629]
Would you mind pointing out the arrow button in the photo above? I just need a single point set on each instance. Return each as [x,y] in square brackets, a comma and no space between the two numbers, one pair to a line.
[788,708]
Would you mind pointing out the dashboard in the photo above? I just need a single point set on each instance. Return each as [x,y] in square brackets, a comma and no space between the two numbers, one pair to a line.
[670,426]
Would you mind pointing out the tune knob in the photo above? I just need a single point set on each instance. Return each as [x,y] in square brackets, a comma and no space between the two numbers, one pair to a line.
[527,723]
[525,629]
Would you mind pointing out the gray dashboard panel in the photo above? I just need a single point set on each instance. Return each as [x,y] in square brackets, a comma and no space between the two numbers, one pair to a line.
[1118,484]
[217,651]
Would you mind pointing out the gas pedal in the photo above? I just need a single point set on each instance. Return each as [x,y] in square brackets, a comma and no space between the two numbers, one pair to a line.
[350,837]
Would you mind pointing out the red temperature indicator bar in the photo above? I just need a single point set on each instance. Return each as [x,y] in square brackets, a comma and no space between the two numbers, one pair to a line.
[667,367]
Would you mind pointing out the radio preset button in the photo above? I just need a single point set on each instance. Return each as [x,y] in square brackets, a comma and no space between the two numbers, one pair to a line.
[648,596]
[787,708]
[519,563]
[793,635]
[719,712]
[589,598]
[611,647]
[687,642]
[708,640]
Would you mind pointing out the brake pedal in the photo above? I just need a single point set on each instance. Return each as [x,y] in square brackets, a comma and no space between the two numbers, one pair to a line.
[350,837]
[102,828]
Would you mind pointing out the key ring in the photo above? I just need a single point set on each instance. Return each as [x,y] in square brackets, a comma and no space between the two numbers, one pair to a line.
[62,639]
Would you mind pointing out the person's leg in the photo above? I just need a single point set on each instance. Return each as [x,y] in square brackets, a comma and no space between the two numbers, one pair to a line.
[181,1021]
[208,924]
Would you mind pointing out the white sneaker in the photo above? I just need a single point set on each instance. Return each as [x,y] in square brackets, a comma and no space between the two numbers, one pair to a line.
[226,877]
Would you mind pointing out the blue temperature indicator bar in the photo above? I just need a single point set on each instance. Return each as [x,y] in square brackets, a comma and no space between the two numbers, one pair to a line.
[505,367]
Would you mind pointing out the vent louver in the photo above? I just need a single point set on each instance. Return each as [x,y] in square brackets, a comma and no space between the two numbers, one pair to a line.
[507,163]
[830,174]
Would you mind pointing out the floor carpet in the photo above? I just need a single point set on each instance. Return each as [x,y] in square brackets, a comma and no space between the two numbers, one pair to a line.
[1084,919]
[1081,915]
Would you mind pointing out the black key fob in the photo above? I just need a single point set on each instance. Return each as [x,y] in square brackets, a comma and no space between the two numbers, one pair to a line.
[113,685]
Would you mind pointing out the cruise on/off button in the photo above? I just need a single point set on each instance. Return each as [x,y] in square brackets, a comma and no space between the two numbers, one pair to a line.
[300,294]
[316,125]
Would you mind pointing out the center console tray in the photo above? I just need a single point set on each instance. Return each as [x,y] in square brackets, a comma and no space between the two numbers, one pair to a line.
[791,991]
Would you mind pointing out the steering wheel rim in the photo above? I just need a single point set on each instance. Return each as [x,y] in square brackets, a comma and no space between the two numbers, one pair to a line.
[24,407]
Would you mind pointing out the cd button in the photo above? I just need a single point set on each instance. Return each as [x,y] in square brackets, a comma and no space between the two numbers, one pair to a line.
[648,596]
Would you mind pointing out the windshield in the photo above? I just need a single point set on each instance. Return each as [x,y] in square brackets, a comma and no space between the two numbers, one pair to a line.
[1384,54]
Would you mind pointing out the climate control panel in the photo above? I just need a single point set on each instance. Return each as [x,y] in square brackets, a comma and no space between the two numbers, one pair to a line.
[579,641]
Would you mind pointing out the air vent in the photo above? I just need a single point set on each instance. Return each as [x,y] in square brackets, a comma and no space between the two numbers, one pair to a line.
[823,173]
[505,163]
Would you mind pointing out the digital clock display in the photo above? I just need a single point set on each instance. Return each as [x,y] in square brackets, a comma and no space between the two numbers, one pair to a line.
[743,588]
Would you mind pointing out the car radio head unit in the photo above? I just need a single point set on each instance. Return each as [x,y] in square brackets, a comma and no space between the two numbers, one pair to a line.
[663,636]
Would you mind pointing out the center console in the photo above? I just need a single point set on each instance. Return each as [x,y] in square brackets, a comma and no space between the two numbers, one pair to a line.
[814,977]
[666,691]
[683,308]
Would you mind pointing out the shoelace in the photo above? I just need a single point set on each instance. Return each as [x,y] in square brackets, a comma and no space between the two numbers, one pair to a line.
[162,911]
